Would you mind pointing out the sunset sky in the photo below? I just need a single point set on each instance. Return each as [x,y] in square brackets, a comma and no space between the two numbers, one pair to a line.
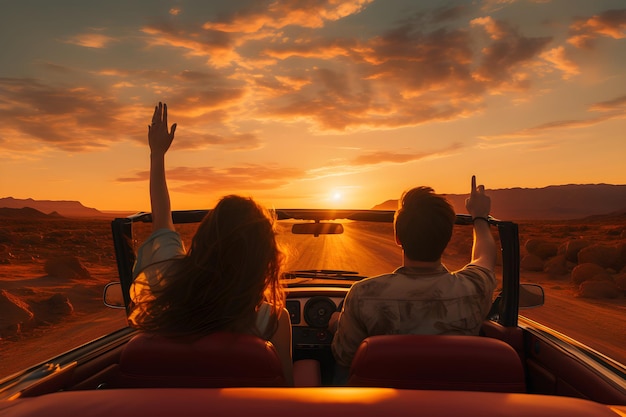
[309,103]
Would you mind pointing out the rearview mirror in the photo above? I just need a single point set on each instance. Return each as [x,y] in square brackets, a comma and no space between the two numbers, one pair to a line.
[317,229]
[113,296]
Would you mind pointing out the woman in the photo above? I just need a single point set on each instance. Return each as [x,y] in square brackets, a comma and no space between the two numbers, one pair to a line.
[227,281]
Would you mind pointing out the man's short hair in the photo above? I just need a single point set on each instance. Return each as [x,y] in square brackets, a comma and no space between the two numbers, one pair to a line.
[423,224]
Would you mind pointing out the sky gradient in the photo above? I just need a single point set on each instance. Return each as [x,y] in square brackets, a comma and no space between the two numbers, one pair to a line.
[309,103]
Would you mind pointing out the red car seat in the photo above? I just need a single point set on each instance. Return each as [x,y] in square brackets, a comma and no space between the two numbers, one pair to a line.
[218,360]
[460,363]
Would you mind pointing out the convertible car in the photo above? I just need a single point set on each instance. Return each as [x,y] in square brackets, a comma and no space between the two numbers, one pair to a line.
[515,367]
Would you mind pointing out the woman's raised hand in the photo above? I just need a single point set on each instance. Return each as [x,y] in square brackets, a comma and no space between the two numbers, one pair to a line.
[159,138]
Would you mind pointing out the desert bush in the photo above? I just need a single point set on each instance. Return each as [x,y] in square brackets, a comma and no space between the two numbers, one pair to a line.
[585,272]
[605,256]
[15,313]
[572,247]
[556,266]
[541,248]
[6,236]
[598,289]
[53,309]
[616,231]
[532,244]
[66,267]
[531,262]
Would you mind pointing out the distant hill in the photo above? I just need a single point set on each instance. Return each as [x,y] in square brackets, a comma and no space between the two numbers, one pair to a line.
[556,202]
[63,208]
[26,213]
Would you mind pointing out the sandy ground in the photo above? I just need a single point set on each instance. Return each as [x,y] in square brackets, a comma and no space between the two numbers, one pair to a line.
[26,248]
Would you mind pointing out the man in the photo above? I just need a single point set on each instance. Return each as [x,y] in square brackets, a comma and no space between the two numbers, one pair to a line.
[422,296]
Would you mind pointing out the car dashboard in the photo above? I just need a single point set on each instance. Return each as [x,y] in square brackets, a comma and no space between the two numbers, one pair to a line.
[310,312]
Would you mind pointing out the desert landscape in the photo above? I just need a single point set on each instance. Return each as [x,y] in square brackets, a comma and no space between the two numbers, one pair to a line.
[53,270]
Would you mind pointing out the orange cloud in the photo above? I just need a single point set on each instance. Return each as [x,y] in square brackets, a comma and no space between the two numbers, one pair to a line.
[367,161]
[248,177]
[73,120]
[402,77]
[81,119]
[611,24]
[508,51]
[381,157]
[612,110]
[217,46]
[496,30]
[91,40]
[278,14]
[193,139]
[318,48]
[618,103]
[557,57]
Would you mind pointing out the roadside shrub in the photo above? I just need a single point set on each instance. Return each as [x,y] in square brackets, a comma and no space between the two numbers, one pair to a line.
[531,263]
[598,289]
[572,247]
[556,266]
[66,267]
[605,256]
[585,272]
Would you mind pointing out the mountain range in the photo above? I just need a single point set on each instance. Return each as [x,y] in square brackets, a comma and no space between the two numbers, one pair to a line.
[63,208]
[556,202]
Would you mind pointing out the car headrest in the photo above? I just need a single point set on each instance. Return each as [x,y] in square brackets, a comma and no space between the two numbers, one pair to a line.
[460,363]
[218,360]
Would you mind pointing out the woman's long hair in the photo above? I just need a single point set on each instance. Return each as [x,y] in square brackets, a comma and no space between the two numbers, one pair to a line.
[233,266]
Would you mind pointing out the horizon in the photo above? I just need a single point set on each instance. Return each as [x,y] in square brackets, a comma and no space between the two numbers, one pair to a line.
[380,203]
[339,104]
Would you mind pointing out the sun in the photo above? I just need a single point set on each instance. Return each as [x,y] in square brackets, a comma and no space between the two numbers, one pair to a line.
[336,196]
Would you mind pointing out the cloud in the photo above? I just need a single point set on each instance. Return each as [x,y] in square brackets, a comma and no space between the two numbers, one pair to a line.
[70,119]
[496,30]
[618,103]
[56,68]
[443,14]
[81,119]
[382,157]
[508,50]
[554,125]
[402,77]
[217,46]
[279,14]
[218,40]
[557,57]
[91,40]
[610,23]
[415,72]
[202,140]
[368,160]
[247,177]
[611,110]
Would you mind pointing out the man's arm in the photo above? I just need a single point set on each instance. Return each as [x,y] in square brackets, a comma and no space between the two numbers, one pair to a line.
[484,248]
[160,140]
[349,331]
